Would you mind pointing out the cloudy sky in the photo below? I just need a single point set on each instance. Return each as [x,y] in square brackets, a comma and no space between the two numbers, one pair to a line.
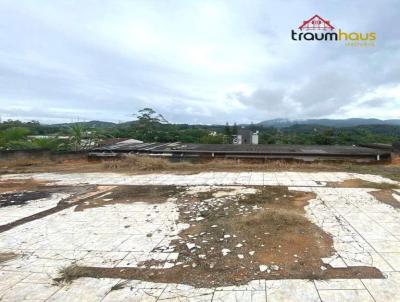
[194,61]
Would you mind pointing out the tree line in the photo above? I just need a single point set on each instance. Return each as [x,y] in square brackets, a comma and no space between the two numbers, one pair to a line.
[150,126]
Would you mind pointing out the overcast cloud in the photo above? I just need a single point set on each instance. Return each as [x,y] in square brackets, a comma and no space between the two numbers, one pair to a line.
[194,61]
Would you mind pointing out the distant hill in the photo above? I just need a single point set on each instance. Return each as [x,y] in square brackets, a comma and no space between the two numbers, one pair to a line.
[90,124]
[282,123]
[393,130]
[277,123]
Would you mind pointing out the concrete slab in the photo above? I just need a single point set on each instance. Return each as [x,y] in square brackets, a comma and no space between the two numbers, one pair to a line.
[363,229]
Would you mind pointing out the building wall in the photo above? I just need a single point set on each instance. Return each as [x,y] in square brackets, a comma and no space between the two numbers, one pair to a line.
[254,138]
[246,138]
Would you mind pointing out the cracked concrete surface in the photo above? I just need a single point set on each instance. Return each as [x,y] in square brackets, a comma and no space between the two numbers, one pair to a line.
[365,232]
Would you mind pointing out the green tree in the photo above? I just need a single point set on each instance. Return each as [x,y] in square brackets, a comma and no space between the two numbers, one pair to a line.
[227,130]
[14,134]
[81,138]
[234,129]
[227,134]
[325,137]
[148,125]
[148,117]
[212,139]
[77,133]
[51,143]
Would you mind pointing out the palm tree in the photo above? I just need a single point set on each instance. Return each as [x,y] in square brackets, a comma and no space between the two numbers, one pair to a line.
[77,134]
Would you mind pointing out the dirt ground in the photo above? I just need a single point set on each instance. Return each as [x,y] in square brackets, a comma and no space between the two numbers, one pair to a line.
[144,165]
[359,183]
[7,256]
[129,194]
[216,238]
[21,185]
[232,239]
[386,196]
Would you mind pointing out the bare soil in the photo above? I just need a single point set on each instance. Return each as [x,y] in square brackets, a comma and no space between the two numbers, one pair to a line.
[130,194]
[187,277]
[39,166]
[359,183]
[21,185]
[229,239]
[389,169]
[4,257]
[396,159]
[386,196]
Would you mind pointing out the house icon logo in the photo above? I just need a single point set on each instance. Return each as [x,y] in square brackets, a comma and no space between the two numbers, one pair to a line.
[319,29]
[316,23]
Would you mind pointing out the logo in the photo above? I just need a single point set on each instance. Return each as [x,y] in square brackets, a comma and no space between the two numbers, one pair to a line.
[316,23]
[319,29]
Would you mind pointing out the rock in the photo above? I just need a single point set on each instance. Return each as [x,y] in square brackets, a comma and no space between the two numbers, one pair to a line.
[240,256]
[274,267]
[239,245]
[190,245]
[251,253]
[225,251]
[169,265]
[263,268]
